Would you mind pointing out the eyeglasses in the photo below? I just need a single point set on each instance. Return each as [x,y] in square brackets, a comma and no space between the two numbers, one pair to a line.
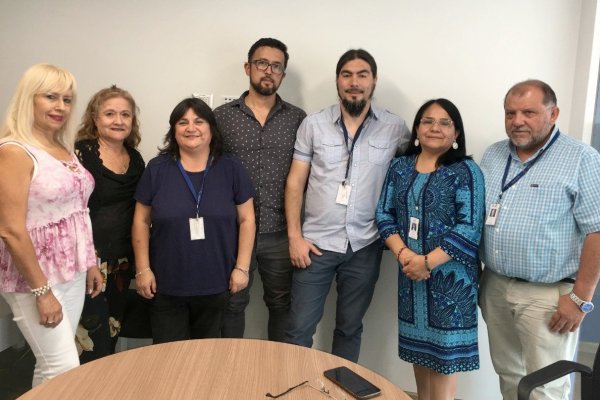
[263,65]
[321,389]
[428,122]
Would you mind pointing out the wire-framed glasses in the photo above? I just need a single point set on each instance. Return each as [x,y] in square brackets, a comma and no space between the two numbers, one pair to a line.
[321,389]
[428,122]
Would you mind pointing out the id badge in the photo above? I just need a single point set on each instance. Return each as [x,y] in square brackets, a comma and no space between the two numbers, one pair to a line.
[197,228]
[493,214]
[343,194]
[413,232]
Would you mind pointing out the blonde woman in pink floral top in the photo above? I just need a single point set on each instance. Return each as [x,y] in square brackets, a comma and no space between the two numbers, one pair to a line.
[47,260]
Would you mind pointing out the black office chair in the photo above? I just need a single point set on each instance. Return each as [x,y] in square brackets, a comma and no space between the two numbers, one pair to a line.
[590,378]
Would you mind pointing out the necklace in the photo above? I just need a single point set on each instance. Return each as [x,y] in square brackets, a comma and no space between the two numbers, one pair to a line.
[117,163]
[417,198]
[412,192]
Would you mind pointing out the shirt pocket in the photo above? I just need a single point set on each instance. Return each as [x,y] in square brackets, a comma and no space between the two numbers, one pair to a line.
[547,205]
[378,151]
[333,151]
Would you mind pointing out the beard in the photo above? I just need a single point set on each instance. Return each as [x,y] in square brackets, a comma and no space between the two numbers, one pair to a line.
[536,139]
[264,91]
[354,108]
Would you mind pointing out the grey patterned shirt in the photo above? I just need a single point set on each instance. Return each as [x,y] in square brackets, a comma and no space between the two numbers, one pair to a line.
[266,152]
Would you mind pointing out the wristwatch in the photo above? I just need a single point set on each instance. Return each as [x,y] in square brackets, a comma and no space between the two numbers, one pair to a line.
[585,306]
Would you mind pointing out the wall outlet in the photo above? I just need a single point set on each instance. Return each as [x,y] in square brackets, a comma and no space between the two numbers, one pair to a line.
[207,98]
[228,99]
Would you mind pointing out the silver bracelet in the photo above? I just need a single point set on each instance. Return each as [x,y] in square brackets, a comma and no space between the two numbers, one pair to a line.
[37,292]
[244,271]
[141,272]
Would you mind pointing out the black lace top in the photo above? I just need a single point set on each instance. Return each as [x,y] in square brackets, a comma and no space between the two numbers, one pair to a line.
[111,203]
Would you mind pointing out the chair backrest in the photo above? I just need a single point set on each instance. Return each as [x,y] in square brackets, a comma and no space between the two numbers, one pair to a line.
[590,385]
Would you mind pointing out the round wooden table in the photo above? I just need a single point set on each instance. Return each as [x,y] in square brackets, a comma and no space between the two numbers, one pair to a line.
[208,369]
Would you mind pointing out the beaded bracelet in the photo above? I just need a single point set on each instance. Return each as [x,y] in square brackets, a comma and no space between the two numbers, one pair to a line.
[427,263]
[245,272]
[37,292]
[141,272]
[400,252]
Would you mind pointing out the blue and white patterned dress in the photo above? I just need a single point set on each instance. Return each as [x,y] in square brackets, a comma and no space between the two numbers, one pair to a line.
[437,318]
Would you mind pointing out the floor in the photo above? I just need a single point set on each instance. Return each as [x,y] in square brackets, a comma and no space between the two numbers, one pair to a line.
[16,370]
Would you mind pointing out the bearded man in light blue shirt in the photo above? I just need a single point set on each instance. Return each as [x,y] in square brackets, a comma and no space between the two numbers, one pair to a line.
[541,241]
[341,156]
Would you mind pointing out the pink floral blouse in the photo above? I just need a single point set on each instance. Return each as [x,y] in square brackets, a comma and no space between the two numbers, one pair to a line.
[57,220]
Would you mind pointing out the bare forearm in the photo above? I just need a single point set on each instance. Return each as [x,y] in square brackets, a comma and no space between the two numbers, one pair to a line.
[246,238]
[293,207]
[589,267]
[294,196]
[437,257]
[140,240]
[395,243]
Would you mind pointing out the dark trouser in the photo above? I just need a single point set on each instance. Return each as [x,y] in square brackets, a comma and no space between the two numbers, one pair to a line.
[176,318]
[271,257]
[356,274]
[96,314]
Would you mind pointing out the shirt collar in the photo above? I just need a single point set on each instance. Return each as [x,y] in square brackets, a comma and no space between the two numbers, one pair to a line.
[241,103]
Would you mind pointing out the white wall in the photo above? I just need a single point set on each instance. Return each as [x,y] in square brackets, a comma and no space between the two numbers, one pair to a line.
[468,51]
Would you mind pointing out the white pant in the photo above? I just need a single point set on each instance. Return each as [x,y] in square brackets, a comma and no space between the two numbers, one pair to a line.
[517,316]
[54,348]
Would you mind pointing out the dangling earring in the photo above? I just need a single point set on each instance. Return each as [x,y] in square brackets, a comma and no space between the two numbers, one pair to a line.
[455,145]
[417,143]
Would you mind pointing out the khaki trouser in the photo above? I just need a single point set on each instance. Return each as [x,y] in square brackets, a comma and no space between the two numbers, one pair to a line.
[517,315]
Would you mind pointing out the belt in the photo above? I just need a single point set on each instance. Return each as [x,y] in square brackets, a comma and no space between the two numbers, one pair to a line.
[565,280]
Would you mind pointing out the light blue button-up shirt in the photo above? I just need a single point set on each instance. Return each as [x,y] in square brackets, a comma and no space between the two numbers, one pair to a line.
[545,216]
[320,142]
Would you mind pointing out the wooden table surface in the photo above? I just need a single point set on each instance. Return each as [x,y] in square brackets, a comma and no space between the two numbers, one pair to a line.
[211,369]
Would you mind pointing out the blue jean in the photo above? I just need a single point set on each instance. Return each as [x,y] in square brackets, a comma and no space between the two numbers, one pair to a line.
[356,274]
[272,258]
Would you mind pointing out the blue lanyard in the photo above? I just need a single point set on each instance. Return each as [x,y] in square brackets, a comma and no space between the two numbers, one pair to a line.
[197,196]
[346,137]
[505,186]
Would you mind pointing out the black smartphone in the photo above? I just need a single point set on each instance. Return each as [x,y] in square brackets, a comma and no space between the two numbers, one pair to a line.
[353,383]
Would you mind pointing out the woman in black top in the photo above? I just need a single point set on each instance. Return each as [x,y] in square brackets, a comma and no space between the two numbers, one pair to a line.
[106,146]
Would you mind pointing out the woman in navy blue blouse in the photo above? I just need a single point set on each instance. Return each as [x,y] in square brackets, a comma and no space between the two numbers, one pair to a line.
[193,227]
[430,216]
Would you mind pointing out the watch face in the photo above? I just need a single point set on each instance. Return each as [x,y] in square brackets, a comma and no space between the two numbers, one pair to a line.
[587,307]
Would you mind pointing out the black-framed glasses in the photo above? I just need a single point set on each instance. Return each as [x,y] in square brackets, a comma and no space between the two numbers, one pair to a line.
[263,65]
[428,122]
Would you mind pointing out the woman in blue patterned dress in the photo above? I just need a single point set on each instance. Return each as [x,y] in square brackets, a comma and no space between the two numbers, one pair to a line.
[430,215]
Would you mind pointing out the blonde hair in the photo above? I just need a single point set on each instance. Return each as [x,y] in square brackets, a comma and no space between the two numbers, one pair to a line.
[88,129]
[40,78]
